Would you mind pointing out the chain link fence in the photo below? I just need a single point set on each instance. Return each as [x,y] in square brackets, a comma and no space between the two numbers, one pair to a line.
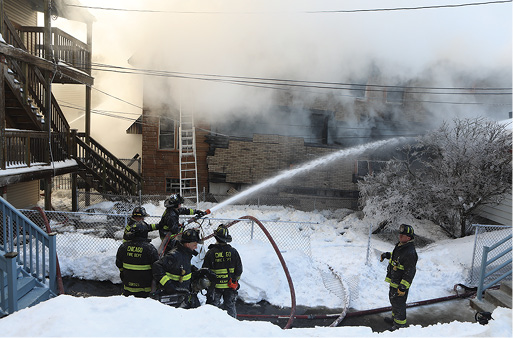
[488,235]
[99,226]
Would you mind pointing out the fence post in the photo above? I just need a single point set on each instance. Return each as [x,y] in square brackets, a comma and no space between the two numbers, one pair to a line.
[12,288]
[52,261]
[482,273]
[368,244]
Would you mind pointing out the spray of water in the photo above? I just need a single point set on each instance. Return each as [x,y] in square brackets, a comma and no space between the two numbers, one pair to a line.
[304,168]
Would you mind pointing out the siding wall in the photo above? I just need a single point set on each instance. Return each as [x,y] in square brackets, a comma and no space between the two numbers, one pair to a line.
[23,195]
[20,12]
[498,213]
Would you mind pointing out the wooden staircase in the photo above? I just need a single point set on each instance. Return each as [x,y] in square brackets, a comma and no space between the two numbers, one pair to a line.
[28,262]
[29,291]
[103,171]
[26,110]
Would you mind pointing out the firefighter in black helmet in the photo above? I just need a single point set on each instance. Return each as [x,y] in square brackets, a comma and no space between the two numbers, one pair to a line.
[134,259]
[173,272]
[400,272]
[225,262]
[138,215]
[170,221]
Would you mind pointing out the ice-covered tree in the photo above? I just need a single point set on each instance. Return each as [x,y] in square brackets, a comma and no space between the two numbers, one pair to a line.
[444,176]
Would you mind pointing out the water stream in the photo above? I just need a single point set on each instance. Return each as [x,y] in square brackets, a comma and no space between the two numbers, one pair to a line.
[304,168]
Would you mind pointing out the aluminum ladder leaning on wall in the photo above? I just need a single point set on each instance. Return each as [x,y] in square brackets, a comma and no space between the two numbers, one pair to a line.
[188,163]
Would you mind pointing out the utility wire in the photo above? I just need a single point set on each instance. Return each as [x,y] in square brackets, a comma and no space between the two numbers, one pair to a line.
[231,77]
[306,84]
[299,12]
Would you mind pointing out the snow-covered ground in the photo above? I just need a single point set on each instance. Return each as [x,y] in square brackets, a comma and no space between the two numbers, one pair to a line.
[338,240]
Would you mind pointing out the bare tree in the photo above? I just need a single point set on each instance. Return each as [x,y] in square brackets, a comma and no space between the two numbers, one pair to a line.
[445,176]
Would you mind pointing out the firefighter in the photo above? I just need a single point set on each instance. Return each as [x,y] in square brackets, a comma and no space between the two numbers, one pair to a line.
[225,262]
[173,272]
[134,260]
[170,221]
[138,215]
[400,272]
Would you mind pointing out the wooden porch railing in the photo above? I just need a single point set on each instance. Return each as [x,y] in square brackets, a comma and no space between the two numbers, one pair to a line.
[29,148]
[66,48]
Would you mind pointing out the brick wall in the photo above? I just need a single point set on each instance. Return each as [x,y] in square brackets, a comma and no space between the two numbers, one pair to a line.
[250,162]
[157,165]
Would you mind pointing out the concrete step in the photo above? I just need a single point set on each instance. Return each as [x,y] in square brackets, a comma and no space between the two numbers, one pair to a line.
[506,287]
[493,298]
[481,305]
[498,298]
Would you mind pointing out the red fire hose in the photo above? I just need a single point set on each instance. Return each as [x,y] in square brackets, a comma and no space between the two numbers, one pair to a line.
[292,315]
[365,312]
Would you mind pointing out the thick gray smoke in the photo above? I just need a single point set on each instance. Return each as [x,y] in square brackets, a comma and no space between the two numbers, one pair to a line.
[449,47]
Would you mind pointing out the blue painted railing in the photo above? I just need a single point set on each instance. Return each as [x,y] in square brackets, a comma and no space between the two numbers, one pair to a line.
[485,262]
[26,245]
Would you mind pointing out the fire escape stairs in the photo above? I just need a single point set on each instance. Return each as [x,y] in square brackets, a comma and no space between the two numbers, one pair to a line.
[21,112]
[99,169]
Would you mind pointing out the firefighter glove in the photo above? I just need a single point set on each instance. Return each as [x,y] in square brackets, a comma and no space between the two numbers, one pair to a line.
[401,290]
[233,284]
[200,213]
[385,255]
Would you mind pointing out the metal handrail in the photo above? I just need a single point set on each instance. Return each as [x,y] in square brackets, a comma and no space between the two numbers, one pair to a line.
[485,263]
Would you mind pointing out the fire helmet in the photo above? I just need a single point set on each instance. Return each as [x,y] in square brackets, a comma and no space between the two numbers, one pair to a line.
[191,235]
[137,230]
[222,235]
[405,229]
[139,212]
[173,201]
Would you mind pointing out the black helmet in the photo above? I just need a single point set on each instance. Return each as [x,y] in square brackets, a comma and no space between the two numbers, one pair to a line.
[137,230]
[191,235]
[222,235]
[405,229]
[139,212]
[173,201]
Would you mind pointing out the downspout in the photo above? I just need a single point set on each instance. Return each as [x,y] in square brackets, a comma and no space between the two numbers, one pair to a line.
[48,97]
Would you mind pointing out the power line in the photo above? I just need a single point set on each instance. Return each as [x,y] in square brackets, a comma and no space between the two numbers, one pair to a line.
[299,12]
[255,81]
[270,80]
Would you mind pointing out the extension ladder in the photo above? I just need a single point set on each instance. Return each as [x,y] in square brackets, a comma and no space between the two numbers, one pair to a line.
[188,163]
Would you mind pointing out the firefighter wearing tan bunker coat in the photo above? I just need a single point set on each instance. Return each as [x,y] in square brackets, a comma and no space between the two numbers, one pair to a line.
[225,262]
[400,272]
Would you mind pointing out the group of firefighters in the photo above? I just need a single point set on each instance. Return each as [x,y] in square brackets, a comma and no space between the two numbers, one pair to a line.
[172,279]
[178,281]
